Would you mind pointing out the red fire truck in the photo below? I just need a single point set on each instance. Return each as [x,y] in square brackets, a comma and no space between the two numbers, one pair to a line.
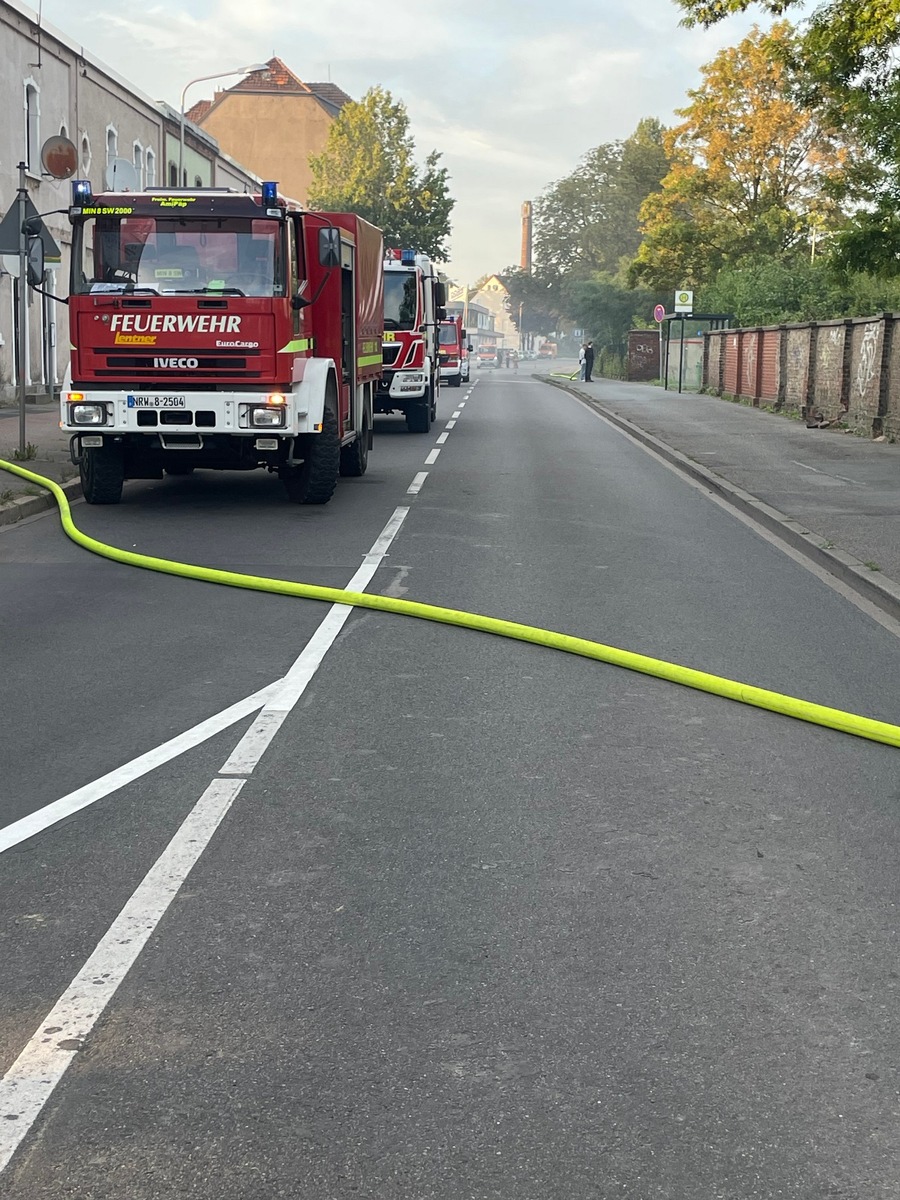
[452,350]
[215,329]
[414,300]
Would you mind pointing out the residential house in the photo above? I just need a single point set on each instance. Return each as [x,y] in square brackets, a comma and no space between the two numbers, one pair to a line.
[272,121]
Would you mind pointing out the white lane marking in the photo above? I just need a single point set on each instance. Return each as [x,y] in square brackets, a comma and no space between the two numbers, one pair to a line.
[456,417]
[432,458]
[30,1081]
[859,601]
[416,486]
[42,818]
[843,478]
[247,753]
[442,438]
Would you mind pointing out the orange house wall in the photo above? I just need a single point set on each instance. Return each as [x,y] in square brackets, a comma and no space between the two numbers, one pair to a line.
[272,135]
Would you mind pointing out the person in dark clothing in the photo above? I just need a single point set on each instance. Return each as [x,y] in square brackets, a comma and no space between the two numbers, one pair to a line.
[588,361]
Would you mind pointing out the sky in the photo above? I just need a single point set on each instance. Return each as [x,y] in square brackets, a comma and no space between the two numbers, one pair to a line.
[512,93]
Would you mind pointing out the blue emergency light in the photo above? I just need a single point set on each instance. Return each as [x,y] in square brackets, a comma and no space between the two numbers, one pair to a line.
[408,258]
[81,192]
[269,194]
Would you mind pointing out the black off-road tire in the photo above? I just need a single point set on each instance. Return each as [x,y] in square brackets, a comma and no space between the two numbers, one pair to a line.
[355,457]
[456,380]
[102,474]
[314,481]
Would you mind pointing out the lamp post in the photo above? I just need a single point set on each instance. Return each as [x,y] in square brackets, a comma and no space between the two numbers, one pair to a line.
[203,79]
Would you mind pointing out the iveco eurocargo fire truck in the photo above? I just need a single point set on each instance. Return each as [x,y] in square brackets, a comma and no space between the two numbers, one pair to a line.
[214,329]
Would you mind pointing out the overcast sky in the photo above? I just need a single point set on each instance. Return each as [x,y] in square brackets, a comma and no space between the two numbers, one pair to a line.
[512,92]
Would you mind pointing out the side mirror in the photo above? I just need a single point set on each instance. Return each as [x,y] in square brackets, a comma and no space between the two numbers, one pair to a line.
[330,246]
[470,347]
[440,313]
[35,265]
[440,297]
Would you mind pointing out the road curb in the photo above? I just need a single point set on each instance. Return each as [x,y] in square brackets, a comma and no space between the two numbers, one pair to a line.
[21,507]
[883,592]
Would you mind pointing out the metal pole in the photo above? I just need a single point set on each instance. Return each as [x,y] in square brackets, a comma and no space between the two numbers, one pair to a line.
[681,357]
[668,348]
[23,305]
[181,135]
[660,349]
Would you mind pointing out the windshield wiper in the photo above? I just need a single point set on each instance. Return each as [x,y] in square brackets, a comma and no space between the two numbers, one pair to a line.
[212,291]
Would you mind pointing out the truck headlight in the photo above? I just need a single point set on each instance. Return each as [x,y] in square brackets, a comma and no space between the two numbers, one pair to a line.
[271,417]
[87,414]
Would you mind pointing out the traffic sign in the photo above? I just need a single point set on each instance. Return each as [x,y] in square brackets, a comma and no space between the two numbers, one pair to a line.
[684,301]
[659,313]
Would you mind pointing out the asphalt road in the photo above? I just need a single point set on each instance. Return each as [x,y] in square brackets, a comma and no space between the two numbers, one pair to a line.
[479,919]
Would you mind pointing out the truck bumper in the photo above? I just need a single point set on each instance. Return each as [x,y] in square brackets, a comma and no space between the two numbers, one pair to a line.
[403,385]
[172,413]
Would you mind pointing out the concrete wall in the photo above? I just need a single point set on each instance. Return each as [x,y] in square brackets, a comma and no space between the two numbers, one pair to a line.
[845,372]
[272,134]
[642,359]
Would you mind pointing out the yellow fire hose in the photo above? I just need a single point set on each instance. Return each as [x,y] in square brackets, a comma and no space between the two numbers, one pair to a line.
[744,693]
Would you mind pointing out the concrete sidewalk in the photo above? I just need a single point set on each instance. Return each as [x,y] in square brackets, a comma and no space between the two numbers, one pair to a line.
[19,498]
[832,495]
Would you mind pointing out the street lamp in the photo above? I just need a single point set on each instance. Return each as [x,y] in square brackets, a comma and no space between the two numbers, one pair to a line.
[203,79]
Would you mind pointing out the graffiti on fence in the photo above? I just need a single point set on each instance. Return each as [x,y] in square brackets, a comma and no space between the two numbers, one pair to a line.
[868,355]
[750,350]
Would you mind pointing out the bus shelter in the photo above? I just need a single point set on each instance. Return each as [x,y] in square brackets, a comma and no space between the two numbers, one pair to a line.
[688,360]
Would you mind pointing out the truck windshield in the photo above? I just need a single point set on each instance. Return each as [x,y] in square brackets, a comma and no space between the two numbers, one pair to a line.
[399,299]
[448,335]
[178,256]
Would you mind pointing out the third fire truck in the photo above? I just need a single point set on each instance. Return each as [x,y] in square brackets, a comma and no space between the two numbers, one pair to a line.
[452,350]
[414,306]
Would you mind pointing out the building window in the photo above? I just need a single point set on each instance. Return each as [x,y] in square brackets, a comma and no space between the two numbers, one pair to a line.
[85,153]
[150,170]
[198,182]
[173,174]
[138,160]
[32,125]
[112,144]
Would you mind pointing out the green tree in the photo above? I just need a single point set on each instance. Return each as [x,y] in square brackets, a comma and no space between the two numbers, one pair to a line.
[588,221]
[368,167]
[606,309]
[753,169]
[766,292]
[532,302]
[846,55]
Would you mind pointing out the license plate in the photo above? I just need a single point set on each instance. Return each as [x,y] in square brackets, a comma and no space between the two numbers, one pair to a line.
[156,401]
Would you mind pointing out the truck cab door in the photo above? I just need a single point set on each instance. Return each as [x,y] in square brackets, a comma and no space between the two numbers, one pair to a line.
[348,337]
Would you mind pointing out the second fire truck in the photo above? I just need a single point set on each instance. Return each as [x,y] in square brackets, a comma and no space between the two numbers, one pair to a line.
[414,306]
